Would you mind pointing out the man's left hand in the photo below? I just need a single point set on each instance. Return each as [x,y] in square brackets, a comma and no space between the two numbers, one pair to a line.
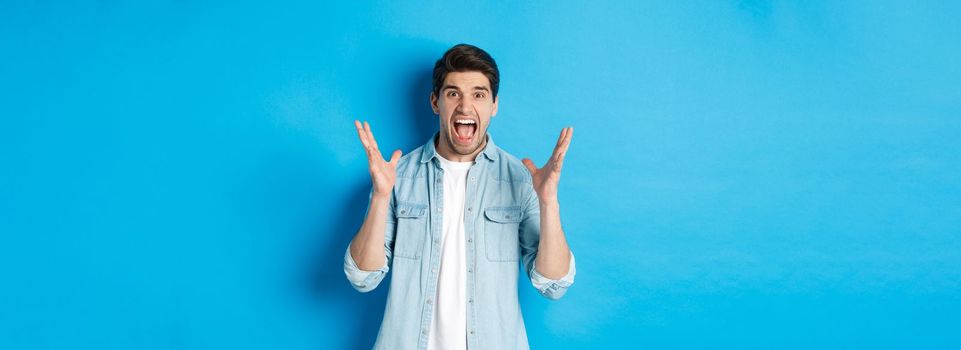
[546,178]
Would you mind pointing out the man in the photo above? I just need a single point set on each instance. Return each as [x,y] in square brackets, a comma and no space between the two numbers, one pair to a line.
[454,217]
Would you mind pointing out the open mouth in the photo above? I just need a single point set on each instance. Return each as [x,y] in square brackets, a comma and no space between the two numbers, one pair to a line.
[464,130]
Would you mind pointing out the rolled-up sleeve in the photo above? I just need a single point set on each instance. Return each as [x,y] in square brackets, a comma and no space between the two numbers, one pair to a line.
[362,280]
[551,288]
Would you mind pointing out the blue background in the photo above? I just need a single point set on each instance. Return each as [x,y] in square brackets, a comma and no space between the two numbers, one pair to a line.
[744,174]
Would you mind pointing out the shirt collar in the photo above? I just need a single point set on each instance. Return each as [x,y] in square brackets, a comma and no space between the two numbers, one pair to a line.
[429,152]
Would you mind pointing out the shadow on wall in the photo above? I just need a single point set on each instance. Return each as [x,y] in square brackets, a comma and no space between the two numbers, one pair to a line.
[413,70]
[329,283]
[421,120]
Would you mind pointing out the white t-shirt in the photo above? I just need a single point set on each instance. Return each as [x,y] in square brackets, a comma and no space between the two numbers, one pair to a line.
[448,326]
[448,329]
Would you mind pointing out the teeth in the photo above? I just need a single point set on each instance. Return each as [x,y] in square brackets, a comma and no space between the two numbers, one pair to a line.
[465,122]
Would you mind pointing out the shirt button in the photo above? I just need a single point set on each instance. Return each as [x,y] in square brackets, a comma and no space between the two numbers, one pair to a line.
[428,301]
[470,208]
[403,211]
[436,241]
[470,240]
[470,301]
[471,332]
[472,178]
[433,270]
[470,270]
[424,331]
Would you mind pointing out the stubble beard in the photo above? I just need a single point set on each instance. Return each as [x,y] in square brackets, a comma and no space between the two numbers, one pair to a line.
[470,149]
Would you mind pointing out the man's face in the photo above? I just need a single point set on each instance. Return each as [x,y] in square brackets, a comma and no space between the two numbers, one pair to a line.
[465,107]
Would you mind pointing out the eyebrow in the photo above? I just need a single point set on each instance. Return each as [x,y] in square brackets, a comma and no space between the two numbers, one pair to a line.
[483,88]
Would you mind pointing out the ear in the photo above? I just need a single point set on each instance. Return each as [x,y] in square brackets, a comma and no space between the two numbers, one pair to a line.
[433,103]
[494,111]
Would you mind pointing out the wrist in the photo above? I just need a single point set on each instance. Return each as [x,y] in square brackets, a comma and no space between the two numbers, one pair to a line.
[549,203]
[380,198]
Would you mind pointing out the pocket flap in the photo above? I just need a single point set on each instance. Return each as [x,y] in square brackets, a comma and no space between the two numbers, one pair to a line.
[504,214]
[410,210]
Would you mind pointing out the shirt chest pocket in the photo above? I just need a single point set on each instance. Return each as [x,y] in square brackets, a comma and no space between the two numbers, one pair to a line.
[501,232]
[411,230]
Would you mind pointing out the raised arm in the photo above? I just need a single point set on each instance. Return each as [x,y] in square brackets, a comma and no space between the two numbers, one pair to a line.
[367,249]
[553,255]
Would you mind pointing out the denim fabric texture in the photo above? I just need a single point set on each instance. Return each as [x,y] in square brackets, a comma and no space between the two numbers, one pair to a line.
[502,221]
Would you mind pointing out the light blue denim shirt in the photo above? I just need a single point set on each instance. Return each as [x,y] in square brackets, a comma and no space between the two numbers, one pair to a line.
[502,224]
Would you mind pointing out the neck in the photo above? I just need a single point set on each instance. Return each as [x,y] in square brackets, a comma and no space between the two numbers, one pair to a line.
[444,150]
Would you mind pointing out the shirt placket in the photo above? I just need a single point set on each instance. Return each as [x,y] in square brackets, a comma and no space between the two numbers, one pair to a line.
[436,206]
[470,219]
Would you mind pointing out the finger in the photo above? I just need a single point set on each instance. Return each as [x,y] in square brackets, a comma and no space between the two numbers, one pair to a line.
[560,138]
[371,141]
[529,164]
[567,139]
[560,141]
[361,134]
[370,135]
[394,158]
[363,140]
[559,163]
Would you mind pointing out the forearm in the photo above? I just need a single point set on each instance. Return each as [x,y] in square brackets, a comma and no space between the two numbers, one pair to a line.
[367,247]
[553,254]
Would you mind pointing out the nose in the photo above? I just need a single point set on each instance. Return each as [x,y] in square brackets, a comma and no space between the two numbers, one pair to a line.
[464,106]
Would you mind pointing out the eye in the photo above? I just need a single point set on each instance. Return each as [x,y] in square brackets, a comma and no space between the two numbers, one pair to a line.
[451,93]
[479,95]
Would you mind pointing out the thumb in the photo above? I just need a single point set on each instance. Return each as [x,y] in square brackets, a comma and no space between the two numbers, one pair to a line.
[529,164]
[395,157]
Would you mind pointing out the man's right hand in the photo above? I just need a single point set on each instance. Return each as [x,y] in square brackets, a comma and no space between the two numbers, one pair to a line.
[383,174]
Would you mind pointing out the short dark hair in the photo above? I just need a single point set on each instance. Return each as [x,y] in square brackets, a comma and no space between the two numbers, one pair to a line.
[466,58]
